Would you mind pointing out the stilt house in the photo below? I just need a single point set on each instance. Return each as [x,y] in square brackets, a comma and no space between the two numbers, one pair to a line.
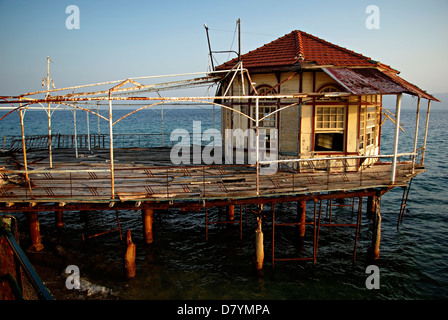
[339,111]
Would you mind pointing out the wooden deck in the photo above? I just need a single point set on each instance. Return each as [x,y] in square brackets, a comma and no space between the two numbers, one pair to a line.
[148,175]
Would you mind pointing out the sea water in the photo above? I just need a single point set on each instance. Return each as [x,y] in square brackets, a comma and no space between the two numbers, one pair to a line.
[181,264]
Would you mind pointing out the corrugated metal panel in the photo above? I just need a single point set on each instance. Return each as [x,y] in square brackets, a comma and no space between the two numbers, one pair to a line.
[361,81]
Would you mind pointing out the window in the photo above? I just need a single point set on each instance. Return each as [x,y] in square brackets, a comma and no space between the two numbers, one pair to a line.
[265,107]
[329,128]
[330,89]
[368,127]
[330,118]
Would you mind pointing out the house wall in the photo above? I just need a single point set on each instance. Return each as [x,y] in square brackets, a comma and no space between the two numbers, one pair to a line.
[296,124]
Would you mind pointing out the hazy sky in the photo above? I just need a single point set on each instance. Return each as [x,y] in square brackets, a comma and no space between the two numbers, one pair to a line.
[121,39]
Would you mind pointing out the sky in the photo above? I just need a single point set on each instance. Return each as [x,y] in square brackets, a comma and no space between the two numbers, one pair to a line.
[123,39]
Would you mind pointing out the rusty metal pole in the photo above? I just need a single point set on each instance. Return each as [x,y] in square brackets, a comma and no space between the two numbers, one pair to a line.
[396,134]
[257,145]
[129,257]
[36,244]
[374,251]
[49,114]
[50,152]
[417,118]
[259,249]
[25,162]
[426,132]
[148,217]
[301,212]
[59,214]
[111,149]
[231,212]
[371,203]
[88,130]
[76,133]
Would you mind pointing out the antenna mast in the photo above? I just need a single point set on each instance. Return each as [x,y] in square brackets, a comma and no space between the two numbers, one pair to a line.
[209,47]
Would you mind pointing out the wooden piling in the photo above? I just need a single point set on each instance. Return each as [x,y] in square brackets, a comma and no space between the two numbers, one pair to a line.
[36,244]
[259,249]
[59,219]
[301,211]
[376,236]
[129,257]
[148,216]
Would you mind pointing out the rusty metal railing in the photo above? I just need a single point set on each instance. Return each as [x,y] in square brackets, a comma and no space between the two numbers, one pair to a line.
[13,277]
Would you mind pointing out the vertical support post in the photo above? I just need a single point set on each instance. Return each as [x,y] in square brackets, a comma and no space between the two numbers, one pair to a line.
[358,226]
[129,257]
[206,224]
[36,244]
[259,249]
[301,211]
[417,119]
[49,113]
[25,162]
[371,206]
[426,132]
[161,115]
[231,212]
[148,217]
[396,133]
[76,134]
[59,214]
[315,240]
[111,150]
[257,145]
[209,47]
[273,239]
[50,152]
[376,237]
[88,130]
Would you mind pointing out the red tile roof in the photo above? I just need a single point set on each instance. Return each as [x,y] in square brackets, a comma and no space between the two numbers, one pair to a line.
[299,47]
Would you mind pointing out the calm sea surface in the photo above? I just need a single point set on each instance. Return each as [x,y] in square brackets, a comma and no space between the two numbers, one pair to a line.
[181,264]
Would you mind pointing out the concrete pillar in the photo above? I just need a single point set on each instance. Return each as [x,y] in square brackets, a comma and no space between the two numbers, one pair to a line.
[301,212]
[36,244]
[148,217]
[59,219]
[376,236]
[259,248]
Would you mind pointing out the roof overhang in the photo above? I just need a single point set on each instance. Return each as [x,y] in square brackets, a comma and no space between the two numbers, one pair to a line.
[363,81]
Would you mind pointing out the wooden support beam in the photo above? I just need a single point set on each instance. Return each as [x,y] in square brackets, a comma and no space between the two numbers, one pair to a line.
[148,217]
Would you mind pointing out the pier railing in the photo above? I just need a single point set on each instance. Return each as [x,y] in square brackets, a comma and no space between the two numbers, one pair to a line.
[207,181]
[86,141]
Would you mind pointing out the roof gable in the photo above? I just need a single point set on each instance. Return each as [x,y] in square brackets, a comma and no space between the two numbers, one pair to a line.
[299,47]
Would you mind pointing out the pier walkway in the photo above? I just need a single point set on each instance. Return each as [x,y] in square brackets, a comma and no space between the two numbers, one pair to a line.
[147,174]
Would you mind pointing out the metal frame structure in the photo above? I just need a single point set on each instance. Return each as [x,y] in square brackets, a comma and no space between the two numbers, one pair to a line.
[119,92]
